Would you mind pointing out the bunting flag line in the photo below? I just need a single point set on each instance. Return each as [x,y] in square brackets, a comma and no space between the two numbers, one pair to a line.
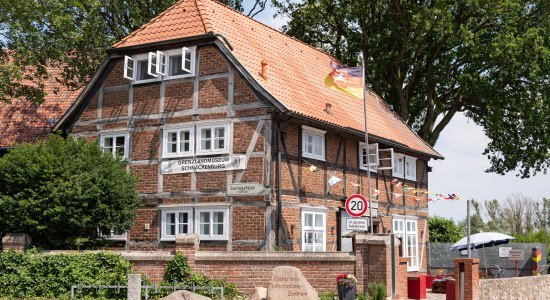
[313,168]
[376,192]
[353,184]
[396,195]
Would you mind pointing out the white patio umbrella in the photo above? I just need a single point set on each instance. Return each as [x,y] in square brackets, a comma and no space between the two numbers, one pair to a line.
[482,240]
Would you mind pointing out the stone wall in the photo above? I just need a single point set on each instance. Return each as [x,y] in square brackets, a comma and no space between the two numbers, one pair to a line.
[532,287]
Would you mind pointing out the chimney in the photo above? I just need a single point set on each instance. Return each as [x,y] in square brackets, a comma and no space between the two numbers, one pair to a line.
[328,108]
[264,69]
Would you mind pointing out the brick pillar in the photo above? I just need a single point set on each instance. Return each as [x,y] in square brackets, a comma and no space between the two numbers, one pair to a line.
[188,244]
[373,257]
[470,268]
[15,242]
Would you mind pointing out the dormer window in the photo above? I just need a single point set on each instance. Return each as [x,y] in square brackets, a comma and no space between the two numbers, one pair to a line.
[158,65]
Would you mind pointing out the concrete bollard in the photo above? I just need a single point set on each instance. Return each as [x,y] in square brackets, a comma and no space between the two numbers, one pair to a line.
[134,286]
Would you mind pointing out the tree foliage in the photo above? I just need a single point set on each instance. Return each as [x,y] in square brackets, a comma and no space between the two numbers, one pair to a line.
[37,35]
[443,230]
[63,189]
[433,59]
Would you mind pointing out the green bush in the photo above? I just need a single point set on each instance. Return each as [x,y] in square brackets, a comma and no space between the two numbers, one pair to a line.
[31,275]
[326,296]
[363,296]
[377,291]
[177,271]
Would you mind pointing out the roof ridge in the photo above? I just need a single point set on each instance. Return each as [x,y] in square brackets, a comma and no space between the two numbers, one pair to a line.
[203,13]
[142,27]
[276,30]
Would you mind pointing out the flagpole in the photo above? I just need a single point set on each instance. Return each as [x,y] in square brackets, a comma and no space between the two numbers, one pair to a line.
[367,145]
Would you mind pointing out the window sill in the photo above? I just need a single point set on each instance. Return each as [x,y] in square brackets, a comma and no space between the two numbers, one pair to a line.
[208,238]
[365,169]
[320,158]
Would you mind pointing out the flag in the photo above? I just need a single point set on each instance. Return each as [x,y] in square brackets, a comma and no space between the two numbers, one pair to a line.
[376,192]
[313,168]
[353,184]
[396,195]
[334,180]
[348,80]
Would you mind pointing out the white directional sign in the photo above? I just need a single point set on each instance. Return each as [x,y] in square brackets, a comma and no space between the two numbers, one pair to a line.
[245,189]
[504,251]
[356,205]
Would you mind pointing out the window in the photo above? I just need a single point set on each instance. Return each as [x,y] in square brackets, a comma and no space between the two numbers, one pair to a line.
[212,223]
[114,235]
[313,143]
[410,168]
[372,157]
[213,139]
[404,166]
[117,144]
[313,231]
[407,230]
[201,139]
[176,222]
[179,142]
[175,63]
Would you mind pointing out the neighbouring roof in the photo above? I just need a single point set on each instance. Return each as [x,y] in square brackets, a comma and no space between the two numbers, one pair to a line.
[296,72]
[23,122]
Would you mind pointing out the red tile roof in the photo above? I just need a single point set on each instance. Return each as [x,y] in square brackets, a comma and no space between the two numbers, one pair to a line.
[23,122]
[296,72]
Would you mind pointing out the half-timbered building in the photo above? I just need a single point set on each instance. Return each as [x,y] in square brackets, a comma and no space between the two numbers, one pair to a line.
[203,98]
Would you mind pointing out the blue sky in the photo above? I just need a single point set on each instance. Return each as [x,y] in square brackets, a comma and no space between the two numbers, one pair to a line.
[463,170]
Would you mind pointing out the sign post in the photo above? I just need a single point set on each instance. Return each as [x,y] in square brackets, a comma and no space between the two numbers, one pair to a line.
[356,206]
[245,189]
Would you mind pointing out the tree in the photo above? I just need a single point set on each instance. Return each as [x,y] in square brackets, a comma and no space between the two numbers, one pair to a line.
[68,34]
[443,230]
[477,224]
[433,59]
[63,189]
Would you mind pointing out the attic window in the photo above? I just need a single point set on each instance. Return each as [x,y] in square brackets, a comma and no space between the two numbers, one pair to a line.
[159,65]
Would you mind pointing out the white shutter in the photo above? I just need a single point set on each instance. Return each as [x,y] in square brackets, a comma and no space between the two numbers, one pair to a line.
[129,64]
[184,60]
[373,156]
[152,64]
[160,63]
[385,162]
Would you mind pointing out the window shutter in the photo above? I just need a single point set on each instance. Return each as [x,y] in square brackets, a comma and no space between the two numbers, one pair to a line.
[184,60]
[152,64]
[160,63]
[385,159]
[373,156]
[129,67]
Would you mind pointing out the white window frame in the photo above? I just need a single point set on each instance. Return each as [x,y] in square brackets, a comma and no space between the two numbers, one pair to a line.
[178,130]
[316,132]
[228,138]
[309,229]
[161,63]
[211,236]
[373,151]
[114,135]
[410,162]
[398,168]
[176,211]
[152,64]
[400,228]
[128,68]
[382,160]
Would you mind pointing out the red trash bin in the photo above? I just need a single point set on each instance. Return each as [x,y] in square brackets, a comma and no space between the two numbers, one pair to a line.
[450,289]
[416,287]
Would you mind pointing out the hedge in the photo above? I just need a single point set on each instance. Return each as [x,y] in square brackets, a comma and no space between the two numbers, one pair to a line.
[30,275]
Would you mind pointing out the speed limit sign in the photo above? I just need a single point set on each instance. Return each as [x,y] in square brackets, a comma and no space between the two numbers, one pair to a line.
[356,205]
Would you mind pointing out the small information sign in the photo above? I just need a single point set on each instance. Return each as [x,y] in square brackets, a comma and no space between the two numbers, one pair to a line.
[357,224]
[504,251]
[516,255]
[245,189]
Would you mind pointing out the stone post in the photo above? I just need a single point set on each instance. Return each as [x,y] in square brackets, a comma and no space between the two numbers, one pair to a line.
[188,244]
[468,269]
[134,287]
[15,242]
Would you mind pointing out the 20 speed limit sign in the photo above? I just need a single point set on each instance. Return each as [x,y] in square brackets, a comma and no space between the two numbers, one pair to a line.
[356,205]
